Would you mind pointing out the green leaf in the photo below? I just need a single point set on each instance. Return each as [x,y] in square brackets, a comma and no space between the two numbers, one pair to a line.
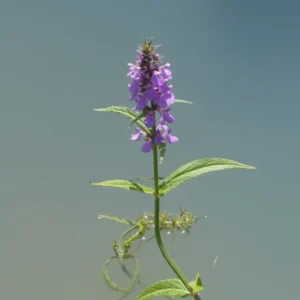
[196,168]
[140,116]
[168,287]
[162,148]
[183,101]
[125,184]
[117,219]
[127,112]
[196,284]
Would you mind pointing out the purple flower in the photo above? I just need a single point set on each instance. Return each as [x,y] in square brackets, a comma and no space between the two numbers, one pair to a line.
[147,146]
[166,97]
[138,135]
[141,103]
[157,80]
[166,116]
[134,71]
[150,119]
[161,76]
[134,88]
[165,72]
[159,138]
[171,139]
[165,135]
[162,135]
[151,93]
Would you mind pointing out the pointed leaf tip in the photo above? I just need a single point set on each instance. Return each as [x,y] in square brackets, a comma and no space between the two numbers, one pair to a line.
[196,284]
[162,151]
[125,184]
[183,101]
[127,112]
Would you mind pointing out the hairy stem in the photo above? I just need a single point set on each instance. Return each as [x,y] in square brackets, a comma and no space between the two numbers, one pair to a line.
[159,241]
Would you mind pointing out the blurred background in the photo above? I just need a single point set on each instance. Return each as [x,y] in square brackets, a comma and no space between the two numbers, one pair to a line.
[238,61]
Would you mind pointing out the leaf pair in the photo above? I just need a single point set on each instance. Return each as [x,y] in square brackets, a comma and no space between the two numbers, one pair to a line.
[182,174]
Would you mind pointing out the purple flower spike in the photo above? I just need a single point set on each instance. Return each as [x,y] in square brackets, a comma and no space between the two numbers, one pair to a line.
[151,93]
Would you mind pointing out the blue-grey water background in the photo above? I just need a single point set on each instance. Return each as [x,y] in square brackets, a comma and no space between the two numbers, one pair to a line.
[238,61]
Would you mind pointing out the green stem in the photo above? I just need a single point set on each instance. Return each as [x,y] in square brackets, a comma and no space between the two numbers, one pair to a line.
[121,251]
[159,241]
